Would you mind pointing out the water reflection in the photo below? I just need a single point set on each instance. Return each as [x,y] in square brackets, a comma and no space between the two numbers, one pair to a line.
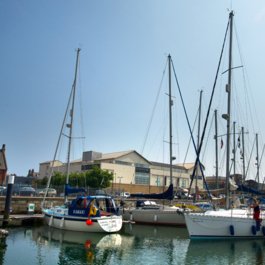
[135,244]
[81,247]
[144,244]
[3,246]
[155,231]
[241,251]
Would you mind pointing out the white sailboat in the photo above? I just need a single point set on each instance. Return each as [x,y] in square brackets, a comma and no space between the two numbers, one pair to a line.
[93,213]
[229,222]
[149,212]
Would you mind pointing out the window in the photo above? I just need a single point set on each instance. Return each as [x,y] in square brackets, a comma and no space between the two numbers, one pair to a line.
[183,183]
[142,178]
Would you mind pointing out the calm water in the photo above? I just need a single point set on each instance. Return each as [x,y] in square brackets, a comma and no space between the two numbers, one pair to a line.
[134,245]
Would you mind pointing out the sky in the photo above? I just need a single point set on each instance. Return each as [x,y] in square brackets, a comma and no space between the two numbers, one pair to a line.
[122,71]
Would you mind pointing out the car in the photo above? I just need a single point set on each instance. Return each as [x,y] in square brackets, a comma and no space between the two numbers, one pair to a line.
[182,195]
[2,190]
[18,190]
[27,191]
[125,194]
[51,192]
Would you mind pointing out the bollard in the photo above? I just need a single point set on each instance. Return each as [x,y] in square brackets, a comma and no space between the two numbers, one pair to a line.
[11,179]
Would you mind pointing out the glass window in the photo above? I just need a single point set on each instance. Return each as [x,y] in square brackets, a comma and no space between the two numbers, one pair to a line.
[142,178]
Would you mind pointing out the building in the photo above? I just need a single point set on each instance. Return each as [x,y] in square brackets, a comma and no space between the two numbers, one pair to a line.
[3,165]
[129,169]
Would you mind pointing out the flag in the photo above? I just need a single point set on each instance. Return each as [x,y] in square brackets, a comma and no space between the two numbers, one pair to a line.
[222,143]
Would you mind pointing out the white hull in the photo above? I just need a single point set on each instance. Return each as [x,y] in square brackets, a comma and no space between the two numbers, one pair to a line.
[104,224]
[155,216]
[235,223]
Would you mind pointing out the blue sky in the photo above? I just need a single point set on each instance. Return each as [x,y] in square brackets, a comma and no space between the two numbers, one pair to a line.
[124,50]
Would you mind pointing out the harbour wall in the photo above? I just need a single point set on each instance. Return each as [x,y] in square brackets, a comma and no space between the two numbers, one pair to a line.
[20,204]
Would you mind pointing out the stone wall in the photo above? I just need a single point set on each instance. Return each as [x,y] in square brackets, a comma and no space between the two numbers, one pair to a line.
[19,204]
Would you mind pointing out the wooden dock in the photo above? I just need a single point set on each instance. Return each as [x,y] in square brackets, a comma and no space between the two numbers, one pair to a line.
[23,219]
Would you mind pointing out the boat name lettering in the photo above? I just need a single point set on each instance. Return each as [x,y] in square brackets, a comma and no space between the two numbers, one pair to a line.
[78,211]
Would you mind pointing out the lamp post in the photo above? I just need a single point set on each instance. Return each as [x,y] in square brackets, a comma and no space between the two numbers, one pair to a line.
[120,183]
[11,179]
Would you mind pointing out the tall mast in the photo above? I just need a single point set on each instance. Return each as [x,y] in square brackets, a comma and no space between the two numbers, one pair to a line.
[216,150]
[234,147]
[243,154]
[198,144]
[257,157]
[170,117]
[228,116]
[70,125]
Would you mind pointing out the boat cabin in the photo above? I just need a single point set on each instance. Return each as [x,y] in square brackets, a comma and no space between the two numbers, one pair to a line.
[93,206]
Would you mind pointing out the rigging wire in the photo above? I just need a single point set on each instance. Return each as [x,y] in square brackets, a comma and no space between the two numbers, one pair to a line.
[186,154]
[153,110]
[81,109]
[250,158]
[250,109]
[207,116]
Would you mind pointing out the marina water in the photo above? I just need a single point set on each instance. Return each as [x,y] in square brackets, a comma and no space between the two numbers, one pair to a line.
[135,244]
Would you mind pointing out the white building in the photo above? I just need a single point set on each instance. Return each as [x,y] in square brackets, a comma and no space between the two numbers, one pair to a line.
[128,167]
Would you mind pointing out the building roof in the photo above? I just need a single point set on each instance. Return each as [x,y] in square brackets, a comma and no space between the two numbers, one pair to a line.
[186,165]
[115,155]
[180,166]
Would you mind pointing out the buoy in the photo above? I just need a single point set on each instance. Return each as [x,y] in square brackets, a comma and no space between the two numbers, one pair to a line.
[89,222]
[254,230]
[232,230]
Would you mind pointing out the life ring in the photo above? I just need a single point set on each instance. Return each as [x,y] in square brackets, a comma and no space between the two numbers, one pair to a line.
[93,210]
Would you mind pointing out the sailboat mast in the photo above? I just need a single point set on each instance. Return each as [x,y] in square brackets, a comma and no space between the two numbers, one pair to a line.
[198,144]
[70,126]
[257,158]
[170,118]
[228,118]
[234,148]
[216,150]
[243,154]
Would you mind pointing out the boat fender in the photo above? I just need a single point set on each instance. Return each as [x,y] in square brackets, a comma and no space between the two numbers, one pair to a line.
[232,230]
[89,222]
[155,218]
[263,230]
[254,230]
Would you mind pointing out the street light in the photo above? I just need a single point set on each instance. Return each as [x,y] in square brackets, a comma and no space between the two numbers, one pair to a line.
[120,183]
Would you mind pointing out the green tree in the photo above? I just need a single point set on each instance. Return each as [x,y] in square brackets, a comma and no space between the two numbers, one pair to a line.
[94,178]
[98,178]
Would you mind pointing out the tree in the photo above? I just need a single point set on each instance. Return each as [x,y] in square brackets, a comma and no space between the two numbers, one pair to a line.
[98,178]
[94,178]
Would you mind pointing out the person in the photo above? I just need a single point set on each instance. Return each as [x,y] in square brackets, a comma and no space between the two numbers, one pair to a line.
[256,212]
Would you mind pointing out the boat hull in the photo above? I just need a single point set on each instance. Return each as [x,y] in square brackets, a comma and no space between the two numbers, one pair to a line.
[104,224]
[223,224]
[155,217]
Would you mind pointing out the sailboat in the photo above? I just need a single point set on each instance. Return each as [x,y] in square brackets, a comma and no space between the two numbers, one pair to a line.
[229,222]
[92,213]
[147,211]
